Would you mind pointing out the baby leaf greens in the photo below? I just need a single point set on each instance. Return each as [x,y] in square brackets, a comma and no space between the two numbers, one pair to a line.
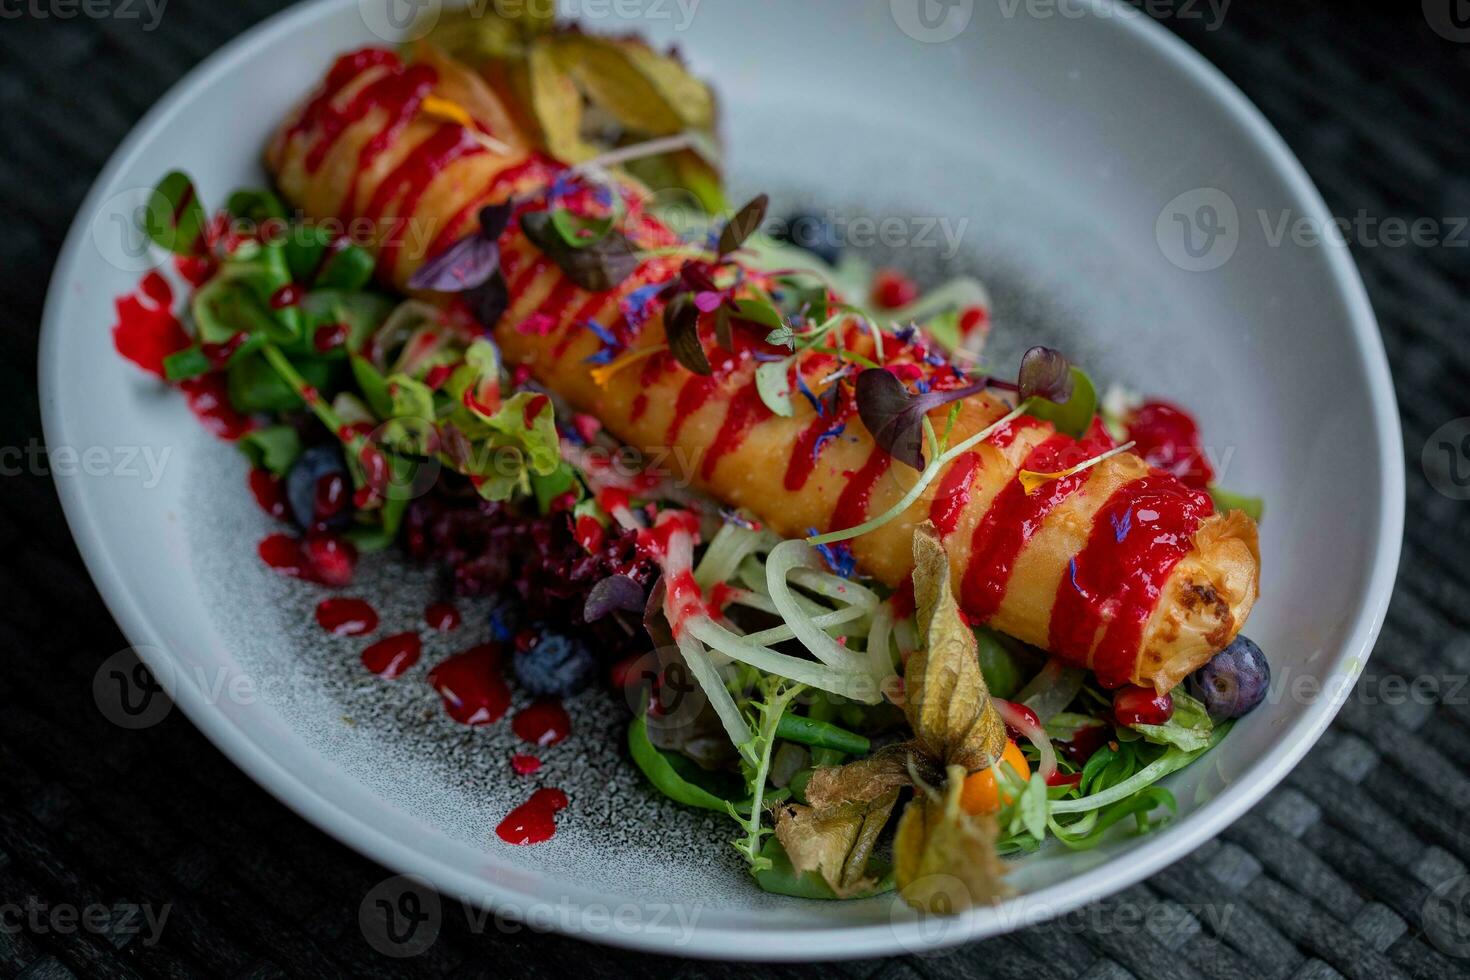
[1064,394]
[175,217]
[956,731]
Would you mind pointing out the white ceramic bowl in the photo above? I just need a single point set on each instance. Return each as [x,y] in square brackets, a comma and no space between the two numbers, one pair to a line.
[1075,143]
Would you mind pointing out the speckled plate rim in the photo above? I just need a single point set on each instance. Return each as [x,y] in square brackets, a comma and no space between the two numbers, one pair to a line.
[711,938]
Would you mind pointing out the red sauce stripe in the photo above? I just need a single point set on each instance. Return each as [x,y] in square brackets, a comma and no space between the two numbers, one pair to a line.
[852,506]
[1114,583]
[1015,516]
[745,412]
[412,178]
[535,169]
[953,495]
[693,394]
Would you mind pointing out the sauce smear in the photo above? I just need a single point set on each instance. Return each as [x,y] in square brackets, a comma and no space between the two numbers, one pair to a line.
[534,821]
[1015,516]
[146,330]
[1137,538]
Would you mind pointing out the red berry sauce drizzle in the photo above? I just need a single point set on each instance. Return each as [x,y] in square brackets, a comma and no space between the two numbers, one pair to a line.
[543,723]
[472,685]
[442,616]
[534,821]
[391,656]
[346,617]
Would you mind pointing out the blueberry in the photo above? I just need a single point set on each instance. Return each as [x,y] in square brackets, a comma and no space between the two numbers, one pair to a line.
[558,666]
[816,234]
[310,489]
[1234,681]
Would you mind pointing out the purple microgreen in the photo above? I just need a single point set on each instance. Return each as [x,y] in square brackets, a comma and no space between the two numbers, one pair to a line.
[1045,373]
[469,262]
[681,325]
[743,225]
[597,268]
[724,333]
[489,300]
[614,593]
[895,416]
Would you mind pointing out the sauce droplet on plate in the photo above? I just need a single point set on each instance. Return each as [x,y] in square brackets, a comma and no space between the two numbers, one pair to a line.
[534,821]
[392,655]
[442,616]
[543,723]
[472,686]
[269,492]
[346,617]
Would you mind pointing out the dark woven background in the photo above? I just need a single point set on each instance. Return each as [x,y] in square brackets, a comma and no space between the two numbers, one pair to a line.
[1333,873]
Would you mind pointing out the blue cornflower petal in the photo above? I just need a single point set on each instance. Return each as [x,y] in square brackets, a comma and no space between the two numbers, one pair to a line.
[829,436]
[603,334]
[807,393]
[1121,528]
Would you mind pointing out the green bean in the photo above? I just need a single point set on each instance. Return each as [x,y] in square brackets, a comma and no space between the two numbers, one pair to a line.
[820,734]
